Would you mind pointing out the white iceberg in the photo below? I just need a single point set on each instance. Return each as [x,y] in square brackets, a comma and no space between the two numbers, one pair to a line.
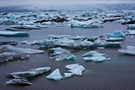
[94,56]
[10,48]
[129,51]
[91,53]
[30,73]
[55,75]
[131,32]
[114,39]
[18,82]
[67,75]
[75,69]
[11,33]
[131,26]
[11,56]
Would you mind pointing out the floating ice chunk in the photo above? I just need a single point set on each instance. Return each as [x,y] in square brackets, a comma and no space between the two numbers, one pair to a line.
[85,24]
[14,43]
[75,69]
[18,82]
[57,51]
[131,26]
[55,75]
[100,42]
[91,53]
[30,73]
[114,44]
[11,56]
[131,32]
[95,58]
[72,66]
[118,33]
[86,44]
[47,23]
[61,54]
[64,56]
[29,27]
[11,33]
[20,50]
[114,39]
[67,75]
[58,36]
[130,50]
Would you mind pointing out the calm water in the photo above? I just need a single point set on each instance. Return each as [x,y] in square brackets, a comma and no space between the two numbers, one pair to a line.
[117,74]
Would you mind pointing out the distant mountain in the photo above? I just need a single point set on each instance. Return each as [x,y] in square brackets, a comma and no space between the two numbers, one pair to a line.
[68,7]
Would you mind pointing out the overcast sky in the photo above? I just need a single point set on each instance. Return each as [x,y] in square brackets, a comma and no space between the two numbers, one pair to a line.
[58,2]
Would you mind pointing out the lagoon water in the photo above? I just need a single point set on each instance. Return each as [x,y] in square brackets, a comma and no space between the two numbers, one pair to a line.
[116,74]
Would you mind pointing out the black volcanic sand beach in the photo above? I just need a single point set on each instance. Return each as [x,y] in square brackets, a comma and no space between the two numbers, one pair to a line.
[116,74]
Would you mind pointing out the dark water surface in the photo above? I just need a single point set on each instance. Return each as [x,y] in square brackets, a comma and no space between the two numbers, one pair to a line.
[116,74]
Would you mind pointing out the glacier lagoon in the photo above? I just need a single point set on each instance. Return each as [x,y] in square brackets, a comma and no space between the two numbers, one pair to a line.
[118,73]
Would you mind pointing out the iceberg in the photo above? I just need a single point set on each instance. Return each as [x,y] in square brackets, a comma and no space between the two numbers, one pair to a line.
[11,33]
[131,32]
[92,53]
[12,56]
[67,75]
[114,44]
[60,54]
[100,42]
[113,39]
[75,69]
[131,26]
[10,48]
[118,33]
[14,43]
[86,44]
[55,75]
[94,56]
[30,73]
[85,24]
[129,51]
[23,27]
[64,56]
[18,82]
[57,51]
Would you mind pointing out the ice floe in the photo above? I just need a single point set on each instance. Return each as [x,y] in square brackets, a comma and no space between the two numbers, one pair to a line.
[55,75]
[10,48]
